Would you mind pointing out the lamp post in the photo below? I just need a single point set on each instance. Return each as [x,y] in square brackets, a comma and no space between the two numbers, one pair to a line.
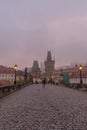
[52,79]
[80,69]
[76,68]
[15,69]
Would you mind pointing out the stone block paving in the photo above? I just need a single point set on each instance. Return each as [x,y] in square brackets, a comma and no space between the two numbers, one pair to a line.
[37,108]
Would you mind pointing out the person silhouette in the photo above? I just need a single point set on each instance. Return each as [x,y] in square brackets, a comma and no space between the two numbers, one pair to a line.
[44,82]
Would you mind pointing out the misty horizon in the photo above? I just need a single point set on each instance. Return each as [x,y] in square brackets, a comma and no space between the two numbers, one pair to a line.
[28,29]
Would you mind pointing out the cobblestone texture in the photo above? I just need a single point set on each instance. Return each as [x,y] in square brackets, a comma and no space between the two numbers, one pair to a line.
[39,108]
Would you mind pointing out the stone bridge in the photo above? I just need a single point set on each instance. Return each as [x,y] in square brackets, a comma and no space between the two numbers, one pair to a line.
[36,107]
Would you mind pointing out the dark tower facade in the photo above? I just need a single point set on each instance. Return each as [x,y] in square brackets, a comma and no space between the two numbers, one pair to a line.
[49,65]
[35,71]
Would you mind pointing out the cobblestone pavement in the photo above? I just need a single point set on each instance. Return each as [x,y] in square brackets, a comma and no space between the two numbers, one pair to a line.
[37,108]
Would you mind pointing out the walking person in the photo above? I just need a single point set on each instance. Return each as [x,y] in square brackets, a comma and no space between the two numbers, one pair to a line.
[44,82]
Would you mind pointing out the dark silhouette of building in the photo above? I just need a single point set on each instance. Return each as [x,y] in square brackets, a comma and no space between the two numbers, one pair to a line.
[49,65]
[35,71]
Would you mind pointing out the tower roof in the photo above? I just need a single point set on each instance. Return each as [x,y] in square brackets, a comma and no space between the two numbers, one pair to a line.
[49,57]
[35,66]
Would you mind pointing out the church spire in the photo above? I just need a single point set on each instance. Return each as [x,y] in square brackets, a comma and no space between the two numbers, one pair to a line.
[49,58]
[49,65]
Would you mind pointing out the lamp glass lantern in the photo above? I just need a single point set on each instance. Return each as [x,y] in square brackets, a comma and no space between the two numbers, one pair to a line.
[80,69]
[15,68]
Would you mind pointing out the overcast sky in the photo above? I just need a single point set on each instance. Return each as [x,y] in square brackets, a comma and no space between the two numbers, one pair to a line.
[29,28]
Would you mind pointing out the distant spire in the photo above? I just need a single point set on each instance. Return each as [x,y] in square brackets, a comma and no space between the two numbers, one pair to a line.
[49,58]
[35,65]
[35,69]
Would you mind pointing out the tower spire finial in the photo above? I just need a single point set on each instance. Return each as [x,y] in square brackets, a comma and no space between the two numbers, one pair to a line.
[49,58]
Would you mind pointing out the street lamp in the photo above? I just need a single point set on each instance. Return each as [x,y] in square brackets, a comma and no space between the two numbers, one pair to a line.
[15,69]
[80,69]
[52,79]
